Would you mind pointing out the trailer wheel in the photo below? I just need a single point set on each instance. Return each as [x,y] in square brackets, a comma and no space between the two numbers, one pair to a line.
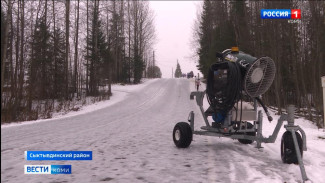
[182,135]
[288,151]
[245,141]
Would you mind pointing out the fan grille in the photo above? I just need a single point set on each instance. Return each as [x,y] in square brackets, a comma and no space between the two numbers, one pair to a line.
[259,76]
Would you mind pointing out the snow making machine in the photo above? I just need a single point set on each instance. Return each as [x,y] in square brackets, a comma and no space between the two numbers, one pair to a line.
[236,75]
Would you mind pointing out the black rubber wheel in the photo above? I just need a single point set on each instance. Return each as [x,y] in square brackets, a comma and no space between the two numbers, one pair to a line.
[182,135]
[288,151]
[245,141]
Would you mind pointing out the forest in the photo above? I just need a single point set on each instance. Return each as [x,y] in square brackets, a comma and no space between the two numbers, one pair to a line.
[297,47]
[54,52]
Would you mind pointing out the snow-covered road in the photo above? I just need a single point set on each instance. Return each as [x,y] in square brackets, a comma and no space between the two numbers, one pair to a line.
[132,141]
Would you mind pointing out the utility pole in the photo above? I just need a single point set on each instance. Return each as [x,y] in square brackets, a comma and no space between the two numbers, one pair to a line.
[154,59]
[153,72]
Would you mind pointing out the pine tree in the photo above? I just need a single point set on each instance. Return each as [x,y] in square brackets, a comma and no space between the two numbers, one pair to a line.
[138,68]
[240,27]
[178,71]
[41,62]
[59,63]
[216,33]
[98,53]
[154,72]
[117,41]
[205,37]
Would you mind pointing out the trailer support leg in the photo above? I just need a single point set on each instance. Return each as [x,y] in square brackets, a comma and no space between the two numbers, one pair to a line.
[298,153]
[293,128]
[259,129]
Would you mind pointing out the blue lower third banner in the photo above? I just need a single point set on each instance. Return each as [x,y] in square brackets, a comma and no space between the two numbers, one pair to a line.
[47,169]
[58,155]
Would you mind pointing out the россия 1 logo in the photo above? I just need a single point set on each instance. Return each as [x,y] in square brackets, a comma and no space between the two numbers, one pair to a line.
[280,13]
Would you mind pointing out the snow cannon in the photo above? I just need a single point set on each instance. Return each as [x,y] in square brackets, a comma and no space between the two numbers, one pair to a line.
[258,74]
[234,72]
[233,76]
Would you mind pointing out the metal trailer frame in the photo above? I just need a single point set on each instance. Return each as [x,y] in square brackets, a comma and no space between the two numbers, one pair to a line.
[257,127]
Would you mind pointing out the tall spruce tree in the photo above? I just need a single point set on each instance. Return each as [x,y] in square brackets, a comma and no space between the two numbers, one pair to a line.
[138,68]
[98,53]
[59,61]
[41,63]
[178,71]
[216,33]
[205,37]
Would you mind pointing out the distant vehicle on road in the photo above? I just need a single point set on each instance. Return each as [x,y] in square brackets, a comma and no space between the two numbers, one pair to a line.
[190,74]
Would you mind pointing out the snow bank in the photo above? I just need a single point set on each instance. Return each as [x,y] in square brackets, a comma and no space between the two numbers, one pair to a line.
[119,93]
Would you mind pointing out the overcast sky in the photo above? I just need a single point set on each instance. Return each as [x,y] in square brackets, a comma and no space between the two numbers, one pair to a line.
[174,23]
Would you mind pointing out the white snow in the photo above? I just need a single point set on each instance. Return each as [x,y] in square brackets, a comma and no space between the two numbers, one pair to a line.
[132,141]
[119,92]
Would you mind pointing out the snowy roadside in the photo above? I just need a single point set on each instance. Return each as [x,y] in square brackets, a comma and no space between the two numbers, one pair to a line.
[119,93]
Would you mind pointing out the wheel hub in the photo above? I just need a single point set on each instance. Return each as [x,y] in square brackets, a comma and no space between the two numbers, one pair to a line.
[177,135]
